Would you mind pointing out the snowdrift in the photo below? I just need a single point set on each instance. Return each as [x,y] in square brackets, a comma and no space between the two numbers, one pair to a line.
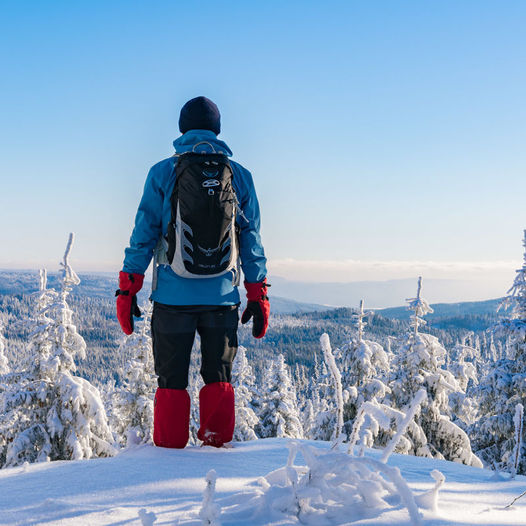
[258,483]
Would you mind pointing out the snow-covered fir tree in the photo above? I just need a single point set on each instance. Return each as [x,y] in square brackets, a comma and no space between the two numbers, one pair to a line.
[319,413]
[504,387]
[244,386]
[47,413]
[493,351]
[518,422]
[316,405]
[301,380]
[364,366]
[308,418]
[463,367]
[132,415]
[336,376]
[278,415]
[195,383]
[4,364]
[303,384]
[419,364]
[462,364]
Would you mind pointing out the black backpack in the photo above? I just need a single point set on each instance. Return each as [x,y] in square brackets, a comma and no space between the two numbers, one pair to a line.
[202,235]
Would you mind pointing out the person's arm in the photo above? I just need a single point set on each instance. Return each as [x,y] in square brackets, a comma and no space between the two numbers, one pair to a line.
[148,225]
[253,260]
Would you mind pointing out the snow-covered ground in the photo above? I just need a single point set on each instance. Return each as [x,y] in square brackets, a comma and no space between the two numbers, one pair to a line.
[168,485]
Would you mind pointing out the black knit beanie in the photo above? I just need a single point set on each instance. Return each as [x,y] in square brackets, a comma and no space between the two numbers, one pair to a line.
[200,114]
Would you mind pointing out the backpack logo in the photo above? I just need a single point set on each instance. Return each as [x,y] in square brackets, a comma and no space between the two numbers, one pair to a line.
[207,251]
[210,174]
[209,183]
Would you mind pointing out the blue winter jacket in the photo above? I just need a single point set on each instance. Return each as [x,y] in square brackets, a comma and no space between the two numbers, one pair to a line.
[154,215]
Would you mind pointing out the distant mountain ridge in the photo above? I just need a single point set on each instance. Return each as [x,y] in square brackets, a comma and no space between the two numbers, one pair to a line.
[26,282]
[382,294]
[291,297]
[103,285]
[441,310]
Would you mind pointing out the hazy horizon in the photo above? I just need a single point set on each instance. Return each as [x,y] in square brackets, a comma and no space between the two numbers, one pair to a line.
[379,293]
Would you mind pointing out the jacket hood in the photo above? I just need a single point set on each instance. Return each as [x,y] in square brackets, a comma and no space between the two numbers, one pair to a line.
[186,142]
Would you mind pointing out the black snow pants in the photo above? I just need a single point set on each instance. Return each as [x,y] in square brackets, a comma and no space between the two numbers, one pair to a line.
[173,334]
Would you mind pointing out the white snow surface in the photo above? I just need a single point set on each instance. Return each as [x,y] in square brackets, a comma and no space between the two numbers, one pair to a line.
[149,485]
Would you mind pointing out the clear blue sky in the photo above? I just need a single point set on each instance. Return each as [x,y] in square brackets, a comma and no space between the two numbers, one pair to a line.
[376,131]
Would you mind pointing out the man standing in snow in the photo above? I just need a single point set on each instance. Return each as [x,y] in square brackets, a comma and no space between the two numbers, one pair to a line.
[199,215]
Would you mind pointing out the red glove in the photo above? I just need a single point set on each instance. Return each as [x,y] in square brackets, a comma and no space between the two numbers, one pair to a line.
[258,307]
[129,285]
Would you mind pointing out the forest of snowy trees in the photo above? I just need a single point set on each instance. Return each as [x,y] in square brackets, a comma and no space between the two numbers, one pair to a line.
[454,394]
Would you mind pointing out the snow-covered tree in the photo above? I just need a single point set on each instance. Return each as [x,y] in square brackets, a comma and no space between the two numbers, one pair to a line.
[47,413]
[336,384]
[302,381]
[419,364]
[319,415]
[244,385]
[462,367]
[278,415]
[518,422]
[493,351]
[364,365]
[132,415]
[4,365]
[195,384]
[308,418]
[504,387]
